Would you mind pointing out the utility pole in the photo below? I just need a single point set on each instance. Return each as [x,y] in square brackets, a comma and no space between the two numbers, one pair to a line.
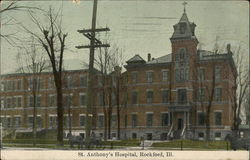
[94,43]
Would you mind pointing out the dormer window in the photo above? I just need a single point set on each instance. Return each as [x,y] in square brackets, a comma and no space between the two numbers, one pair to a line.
[183,27]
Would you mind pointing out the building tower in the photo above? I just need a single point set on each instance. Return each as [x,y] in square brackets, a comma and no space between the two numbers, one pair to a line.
[184,51]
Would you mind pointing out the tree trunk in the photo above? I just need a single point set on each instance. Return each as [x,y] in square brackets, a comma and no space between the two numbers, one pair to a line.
[109,123]
[34,119]
[118,109]
[109,116]
[59,111]
[69,115]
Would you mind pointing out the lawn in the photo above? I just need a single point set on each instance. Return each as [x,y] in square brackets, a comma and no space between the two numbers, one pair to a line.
[193,144]
[175,144]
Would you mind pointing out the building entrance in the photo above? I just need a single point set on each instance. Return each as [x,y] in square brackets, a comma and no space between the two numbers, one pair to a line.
[180,124]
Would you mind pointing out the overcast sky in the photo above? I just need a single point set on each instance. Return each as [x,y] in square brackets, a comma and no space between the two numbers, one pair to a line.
[138,27]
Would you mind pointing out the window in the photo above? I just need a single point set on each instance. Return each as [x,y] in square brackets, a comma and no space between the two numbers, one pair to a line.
[70,81]
[52,100]
[149,136]
[134,97]
[2,101]
[8,122]
[164,76]
[83,80]
[8,102]
[67,100]
[201,74]
[14,102]
[19,84]
[218,118]
[182,96]
[51,83]
[17,122]
[217,74]
[82,120]
[114,80]
[183,27]
[164,119]
[201,118]
[181,74]
[165,96]
[3,121]
[82,99]
[217,94]
[100,98]
[39,121]
[134,77]
[2,86]
[65,121]
[31,101]
[201,94]
[217,135]
[40,83]
[38,101]
[100,121]
[134,135]
[35,83]
[53,121]
[19,101]
[30,121]
[134,120]
[149,119]
[149,77]
[126,121]
[200,135]
[114,120]
[150,97]
[100,80]
[8,85]
[113,135]
[113,98]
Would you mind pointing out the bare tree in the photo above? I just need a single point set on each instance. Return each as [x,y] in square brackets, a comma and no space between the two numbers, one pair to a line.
[118,84]
[51,38]
[31,61]
[5,8]
[241,84]
[109,63]
[205,92]
[103,62]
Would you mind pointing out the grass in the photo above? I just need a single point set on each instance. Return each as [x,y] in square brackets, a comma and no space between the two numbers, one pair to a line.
[194,144]
[51,144]
[175,144]
[30,141]
[130,142]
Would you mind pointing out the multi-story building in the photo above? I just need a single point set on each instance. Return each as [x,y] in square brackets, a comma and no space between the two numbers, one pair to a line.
[169,96]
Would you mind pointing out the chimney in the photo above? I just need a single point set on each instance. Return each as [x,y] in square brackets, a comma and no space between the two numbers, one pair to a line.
[117,69]
[149,57]
[229,49]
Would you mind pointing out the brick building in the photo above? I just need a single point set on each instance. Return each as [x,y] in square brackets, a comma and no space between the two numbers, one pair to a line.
[163,97]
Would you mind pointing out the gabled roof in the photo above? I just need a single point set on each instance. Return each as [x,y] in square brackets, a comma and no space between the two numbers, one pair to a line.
[137,58]
[164,59]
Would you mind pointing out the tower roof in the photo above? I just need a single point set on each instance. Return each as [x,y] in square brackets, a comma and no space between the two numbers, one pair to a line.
[184,18]
[184,28]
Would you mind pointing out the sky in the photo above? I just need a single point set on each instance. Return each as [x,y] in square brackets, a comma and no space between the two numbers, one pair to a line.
[136,26]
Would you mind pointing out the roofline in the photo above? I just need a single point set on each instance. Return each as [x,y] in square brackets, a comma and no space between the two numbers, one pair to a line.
[146,65]
[43,73]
